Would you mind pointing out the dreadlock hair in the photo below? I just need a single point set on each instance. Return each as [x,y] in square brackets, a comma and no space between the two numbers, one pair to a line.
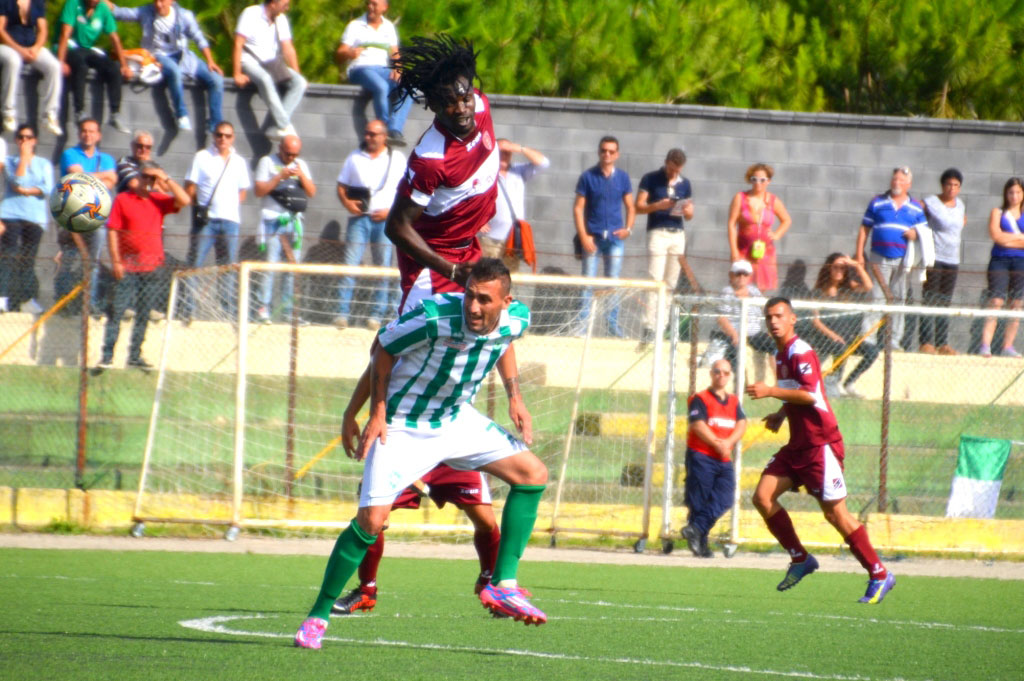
[427,67]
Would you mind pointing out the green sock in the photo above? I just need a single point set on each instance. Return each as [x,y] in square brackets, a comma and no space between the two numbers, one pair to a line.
[517,520]
[345,559]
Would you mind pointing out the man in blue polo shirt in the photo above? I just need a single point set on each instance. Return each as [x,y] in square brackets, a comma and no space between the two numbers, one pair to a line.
[892,220]
[666,198]
[86,157]
[601,194]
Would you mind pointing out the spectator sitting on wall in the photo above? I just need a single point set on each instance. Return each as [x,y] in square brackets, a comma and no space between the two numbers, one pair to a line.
[265,55]
[23,34]
[82,22]
[167,28]
[369,43]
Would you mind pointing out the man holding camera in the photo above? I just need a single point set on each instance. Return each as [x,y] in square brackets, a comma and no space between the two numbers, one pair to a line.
[366,188]
[284,184]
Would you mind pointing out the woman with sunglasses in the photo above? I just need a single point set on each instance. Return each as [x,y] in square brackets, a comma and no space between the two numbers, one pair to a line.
[842,279]
[752,215]
[24,214]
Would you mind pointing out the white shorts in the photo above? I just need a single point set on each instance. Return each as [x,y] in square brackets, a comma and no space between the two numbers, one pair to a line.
[468,442]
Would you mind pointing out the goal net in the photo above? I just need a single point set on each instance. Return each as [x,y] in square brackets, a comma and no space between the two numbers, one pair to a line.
[258,362]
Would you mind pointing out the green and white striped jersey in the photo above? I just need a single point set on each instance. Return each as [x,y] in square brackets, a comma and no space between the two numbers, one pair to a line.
[439,363]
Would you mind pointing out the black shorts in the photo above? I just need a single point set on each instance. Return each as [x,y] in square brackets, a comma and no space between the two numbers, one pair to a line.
[1006,277]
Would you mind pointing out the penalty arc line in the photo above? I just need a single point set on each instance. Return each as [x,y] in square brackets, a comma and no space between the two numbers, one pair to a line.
[216,625]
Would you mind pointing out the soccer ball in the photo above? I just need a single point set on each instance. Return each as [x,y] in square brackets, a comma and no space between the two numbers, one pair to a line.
[80,202]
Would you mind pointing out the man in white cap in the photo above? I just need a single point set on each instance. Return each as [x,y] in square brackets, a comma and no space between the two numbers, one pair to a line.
[740,286]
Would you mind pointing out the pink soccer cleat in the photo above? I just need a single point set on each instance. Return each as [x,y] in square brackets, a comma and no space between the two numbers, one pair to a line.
[512,603]
[311,633]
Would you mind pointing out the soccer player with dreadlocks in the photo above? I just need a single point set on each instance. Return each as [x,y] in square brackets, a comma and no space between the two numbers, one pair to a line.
[450,187]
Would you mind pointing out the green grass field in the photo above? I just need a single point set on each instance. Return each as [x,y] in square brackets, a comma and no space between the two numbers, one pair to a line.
[155,615]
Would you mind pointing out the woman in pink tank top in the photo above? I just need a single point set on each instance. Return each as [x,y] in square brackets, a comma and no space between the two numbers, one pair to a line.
[751,217]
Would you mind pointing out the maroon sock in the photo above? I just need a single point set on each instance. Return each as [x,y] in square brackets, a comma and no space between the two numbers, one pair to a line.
[368,568]
[863,551]
[781,527]
[486,542]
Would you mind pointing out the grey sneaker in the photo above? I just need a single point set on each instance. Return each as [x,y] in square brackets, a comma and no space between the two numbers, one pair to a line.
[1010,352]
[184,124]
[117,124]
[141,364]
[341,322]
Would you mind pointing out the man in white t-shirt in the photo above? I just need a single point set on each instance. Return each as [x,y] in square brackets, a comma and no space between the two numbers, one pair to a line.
[284,183]
[264,54]
[366,188]
[217,181]
[368,44]
[511,203]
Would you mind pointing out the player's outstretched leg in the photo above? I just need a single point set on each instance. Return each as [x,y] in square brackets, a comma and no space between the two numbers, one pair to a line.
[880,580]
[503,595]
[348,552]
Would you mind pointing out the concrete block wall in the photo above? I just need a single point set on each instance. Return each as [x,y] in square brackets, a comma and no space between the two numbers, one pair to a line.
[827,166]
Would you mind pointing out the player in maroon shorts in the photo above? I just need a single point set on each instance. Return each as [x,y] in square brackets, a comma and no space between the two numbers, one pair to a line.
[812,458]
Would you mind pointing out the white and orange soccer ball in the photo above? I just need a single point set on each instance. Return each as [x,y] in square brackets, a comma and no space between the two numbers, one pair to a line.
[80,203]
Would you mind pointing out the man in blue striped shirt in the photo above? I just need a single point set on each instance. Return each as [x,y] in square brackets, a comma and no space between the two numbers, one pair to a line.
[892,220]
[425,371]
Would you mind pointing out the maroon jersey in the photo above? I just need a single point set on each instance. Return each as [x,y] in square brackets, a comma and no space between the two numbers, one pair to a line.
[811,425]
[455,180]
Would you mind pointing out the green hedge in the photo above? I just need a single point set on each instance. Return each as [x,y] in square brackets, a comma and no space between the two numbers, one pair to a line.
[900,57]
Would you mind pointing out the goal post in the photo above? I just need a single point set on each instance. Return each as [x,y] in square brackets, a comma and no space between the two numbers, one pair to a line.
[245,417]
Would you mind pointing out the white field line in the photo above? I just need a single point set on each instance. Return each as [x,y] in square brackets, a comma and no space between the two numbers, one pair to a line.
[216,625]
[947,626]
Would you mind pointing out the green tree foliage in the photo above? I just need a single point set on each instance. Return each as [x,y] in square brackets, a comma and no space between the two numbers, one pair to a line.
[899,57]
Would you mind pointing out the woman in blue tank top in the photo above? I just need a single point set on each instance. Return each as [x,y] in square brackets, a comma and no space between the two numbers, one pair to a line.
[1006,266]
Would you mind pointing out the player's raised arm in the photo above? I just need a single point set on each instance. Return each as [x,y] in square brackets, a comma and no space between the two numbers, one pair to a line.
[399,229]
[517,410]
[380,377]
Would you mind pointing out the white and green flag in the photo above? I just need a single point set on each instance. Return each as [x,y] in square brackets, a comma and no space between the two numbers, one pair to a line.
[978,477]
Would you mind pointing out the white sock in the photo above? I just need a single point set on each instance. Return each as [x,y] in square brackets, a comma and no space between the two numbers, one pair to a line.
[508,584]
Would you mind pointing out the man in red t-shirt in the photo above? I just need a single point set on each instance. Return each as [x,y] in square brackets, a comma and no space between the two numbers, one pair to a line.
[717,423]
[136,245]
[813,457]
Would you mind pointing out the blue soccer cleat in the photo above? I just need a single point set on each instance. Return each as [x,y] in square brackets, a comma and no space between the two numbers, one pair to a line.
[512,603]
[878,588]
[798,571]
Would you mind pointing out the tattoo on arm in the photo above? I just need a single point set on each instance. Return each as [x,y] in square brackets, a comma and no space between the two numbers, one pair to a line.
[512,386]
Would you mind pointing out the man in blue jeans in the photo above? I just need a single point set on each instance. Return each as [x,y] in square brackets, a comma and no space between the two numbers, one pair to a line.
[166,30]
[366,188]
[600,226]
[283,181]
[368,44]
[217,182]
